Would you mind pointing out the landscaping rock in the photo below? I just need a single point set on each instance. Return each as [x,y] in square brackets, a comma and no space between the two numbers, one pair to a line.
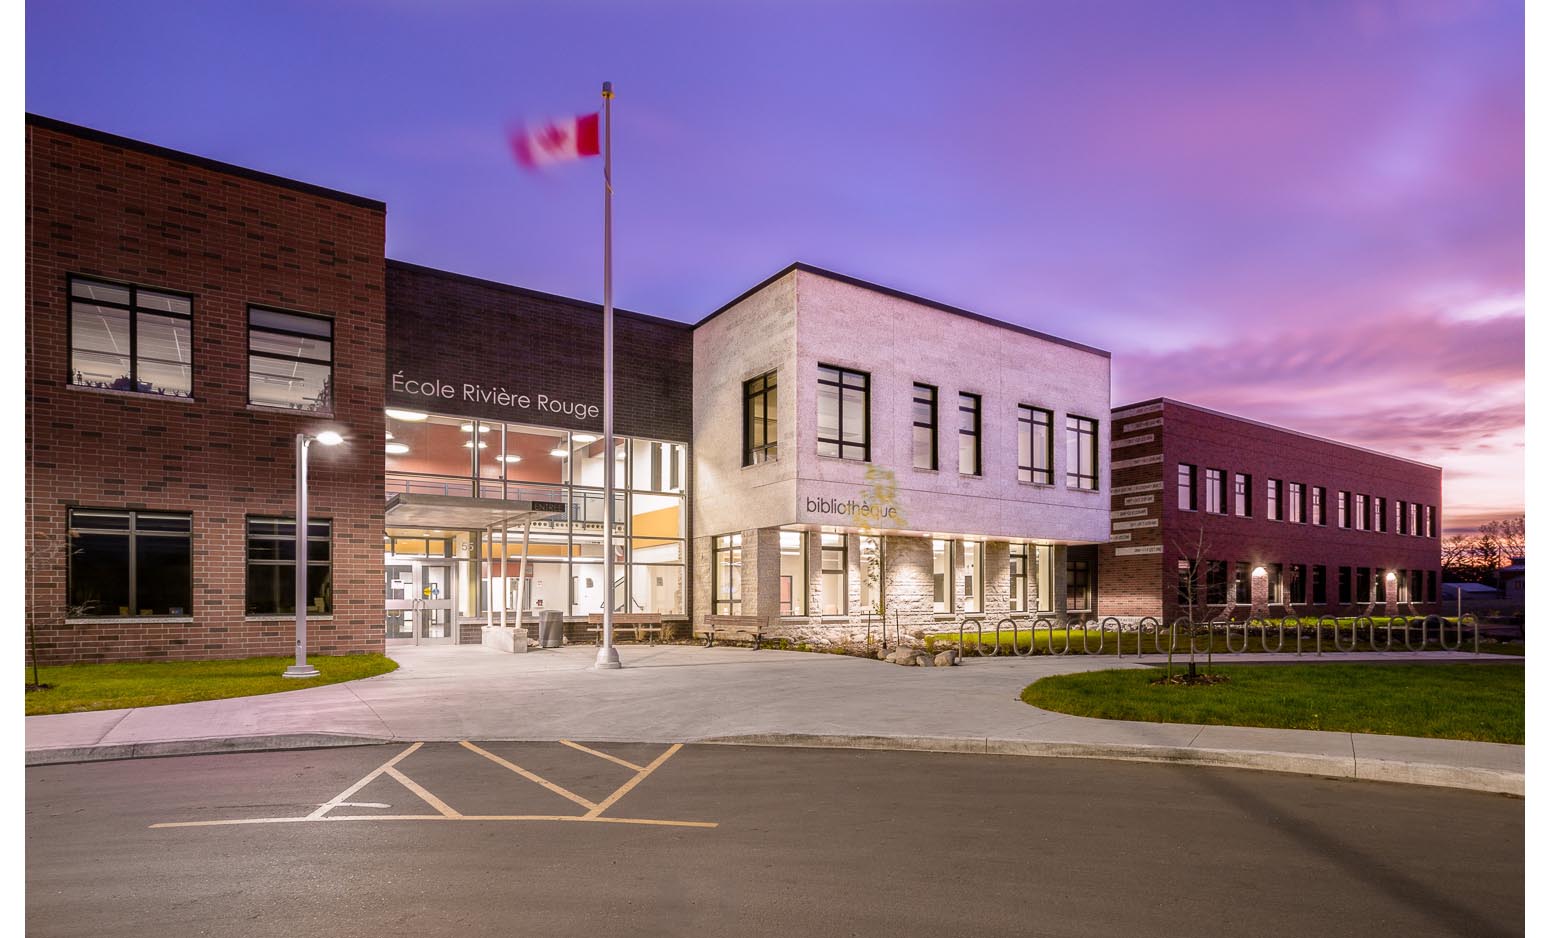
[924,661]
[946,659]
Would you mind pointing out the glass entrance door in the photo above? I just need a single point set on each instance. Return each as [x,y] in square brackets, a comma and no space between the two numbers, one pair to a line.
[420,601]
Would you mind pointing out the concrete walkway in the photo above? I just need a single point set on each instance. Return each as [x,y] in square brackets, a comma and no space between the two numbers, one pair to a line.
[676,693]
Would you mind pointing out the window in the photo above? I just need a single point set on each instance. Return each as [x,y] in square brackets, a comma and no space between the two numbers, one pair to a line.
[727,575]
[1079,586]
[1242,485]
[1411,514]
[1380,582]
[1186,487]
[272,567]
[1243,583]
[1415,595]
[833,592]
[1399,518]
[1431,586]
[130,563]
[1320,592]
[923,411]
[1043,570]
[1363,584]
[793,573]
[1216,491]
[1294,512]
[941,576]
[1216,582]
[1431,523]
[1361,512]
[1035,445]
[844,413]
[1343,510]
[1380,517]
[1188,578]
[1274,585]
[1018,577]
[969,434]
[290,360]
[869,589]
[1081,453]
[1316,503]
[761,441]
[1299,584]
[973,576]
[1273,500]
[125,338]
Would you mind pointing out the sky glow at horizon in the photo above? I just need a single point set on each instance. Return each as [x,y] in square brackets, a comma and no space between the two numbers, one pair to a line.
[1306,214]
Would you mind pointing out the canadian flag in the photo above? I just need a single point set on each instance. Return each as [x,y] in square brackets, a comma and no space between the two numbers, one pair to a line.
[556,141]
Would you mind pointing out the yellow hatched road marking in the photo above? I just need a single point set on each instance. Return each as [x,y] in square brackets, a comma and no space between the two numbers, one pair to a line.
[602,755]
[335,801]
[425,796]
[653,822]
[624,789]
[563,792]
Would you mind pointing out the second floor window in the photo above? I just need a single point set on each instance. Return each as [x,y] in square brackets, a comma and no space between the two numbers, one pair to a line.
[1035,445]
[1242,489]
[1216,491]
[969,434]
[1316,504]
[1431,524]
[1186,487]
[1273,500]
[1294,503]
[1380,514]
[1081,453]
[125,338]
[759,436]
[1343,511]
[1411,516]
[290,360]
[923,415]
[1361,512]
[844,413]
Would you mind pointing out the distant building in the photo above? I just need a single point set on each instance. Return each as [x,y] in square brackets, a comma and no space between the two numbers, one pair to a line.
[1510,578]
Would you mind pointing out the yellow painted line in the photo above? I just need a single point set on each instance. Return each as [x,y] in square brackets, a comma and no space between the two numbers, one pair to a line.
[602,755]
[640,776]
[334,802]
[563,792]
[652,822]
[425,796]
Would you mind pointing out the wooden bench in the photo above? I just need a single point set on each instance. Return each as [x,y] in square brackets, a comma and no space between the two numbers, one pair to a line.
[734,628]
[640,624]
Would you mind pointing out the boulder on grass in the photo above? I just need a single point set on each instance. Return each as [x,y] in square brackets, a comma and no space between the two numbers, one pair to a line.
[946,659]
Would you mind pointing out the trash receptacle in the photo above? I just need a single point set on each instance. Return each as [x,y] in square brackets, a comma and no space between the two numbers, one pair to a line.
[551,628]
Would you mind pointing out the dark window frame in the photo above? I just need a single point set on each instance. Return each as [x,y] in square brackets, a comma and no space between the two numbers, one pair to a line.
[977,410]
[1028,418]
[1188,487]
[932,425]
[248,562]
[326,402]
[769,450]
[1318,510]
[1083,427]
[1243,494]
[134,310]
[734,600]
[132,533]
[1017,577]
[838,383]
[1218,488]
[1275,500]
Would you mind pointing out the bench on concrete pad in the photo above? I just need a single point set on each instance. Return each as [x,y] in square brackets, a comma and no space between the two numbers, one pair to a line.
[732,628]
[648,624]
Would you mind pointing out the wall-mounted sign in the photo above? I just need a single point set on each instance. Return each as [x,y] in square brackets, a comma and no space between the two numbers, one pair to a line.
[470,393]
[1134,551]
[1131,525]
[1128,513]
[850,507]
[1138,461]
[1138,487]
[1140,499]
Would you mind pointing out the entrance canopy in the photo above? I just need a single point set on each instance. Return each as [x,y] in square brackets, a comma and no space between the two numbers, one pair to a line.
[407,510]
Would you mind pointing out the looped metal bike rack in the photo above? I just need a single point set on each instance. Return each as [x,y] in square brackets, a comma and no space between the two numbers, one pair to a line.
[1065,633]
[1141,630]
[1242,649]
[1356,630]
[1019,654]
[1087,625]
[1474,627]
[1318,633]
[1442,633]
[979,637]
[1408,626]
[1119,644]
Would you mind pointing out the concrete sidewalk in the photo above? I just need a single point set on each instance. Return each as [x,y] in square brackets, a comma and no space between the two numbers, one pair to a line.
[676,693]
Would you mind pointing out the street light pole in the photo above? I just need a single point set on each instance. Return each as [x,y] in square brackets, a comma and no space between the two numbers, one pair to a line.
[301,669]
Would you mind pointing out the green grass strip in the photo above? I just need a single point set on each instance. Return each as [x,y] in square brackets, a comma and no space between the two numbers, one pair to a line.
[80,687]
[1446,701]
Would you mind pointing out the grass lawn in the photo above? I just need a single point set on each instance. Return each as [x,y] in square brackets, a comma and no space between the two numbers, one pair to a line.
[78,687]
[1447,701]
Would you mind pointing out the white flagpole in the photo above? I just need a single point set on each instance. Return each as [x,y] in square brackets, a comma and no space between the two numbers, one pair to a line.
[607,656]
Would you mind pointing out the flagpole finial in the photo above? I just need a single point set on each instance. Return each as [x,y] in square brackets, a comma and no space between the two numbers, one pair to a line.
[608,89]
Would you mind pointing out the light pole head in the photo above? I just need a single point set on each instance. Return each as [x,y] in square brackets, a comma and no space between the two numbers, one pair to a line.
[329,438]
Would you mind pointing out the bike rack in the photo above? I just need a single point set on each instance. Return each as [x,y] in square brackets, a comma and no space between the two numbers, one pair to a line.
[1245,647]
[1015,652]
[1119,644]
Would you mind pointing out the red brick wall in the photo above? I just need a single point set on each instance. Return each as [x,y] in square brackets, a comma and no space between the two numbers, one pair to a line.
[107,207]
[1147,584]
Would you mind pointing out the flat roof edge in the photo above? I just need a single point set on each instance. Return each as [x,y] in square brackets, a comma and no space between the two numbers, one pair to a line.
[1271,426]
[529,292]
[798,266]
[140,146]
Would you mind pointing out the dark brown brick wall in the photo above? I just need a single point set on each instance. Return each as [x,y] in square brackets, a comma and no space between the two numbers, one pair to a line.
[1147,584]
[107,207]
[459,330]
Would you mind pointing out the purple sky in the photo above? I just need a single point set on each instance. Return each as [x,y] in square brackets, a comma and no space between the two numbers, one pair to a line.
[1306,213]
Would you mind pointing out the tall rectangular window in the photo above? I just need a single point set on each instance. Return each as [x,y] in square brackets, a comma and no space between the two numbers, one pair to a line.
[1380,583]
[1216,491]
[1363,584]
[1018,578]
[1380,517]
[130,563]
[1431,523]
[1320,589]
[1216,582]
[969,434]
[1273,500]
[923,413]
[973,575]
[127,338]
[1343,579]
[1431,586]
[941,576]
[1035,445]
[290,360]
[844,413]
[271,584]
[760,439]
[1243,582]
[834,584]
[726,568]
[1361,512]
[1343,509]
[1316,504]
[793,573]
[1081,453]
[1298,587]
[1294,506]
[1410,514]
[1399,517]
[1079,586]
[1043,577]
[869,589]
[1186,487]
[1275,584]
[1416,595]
[1188,579]
[1242,489]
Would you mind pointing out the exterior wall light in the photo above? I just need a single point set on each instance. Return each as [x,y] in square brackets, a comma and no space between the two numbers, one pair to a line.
[1259,571]
[1391,577]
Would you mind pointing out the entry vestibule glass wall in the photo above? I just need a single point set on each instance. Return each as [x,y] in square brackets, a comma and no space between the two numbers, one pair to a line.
[440,455]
